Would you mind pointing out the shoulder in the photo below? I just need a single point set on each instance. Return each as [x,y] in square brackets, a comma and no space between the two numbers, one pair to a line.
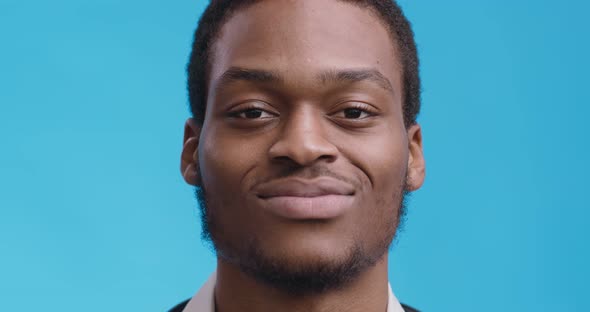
[179,307]
[407,308]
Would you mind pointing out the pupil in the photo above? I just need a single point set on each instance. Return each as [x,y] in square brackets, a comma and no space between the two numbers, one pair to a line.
[253,113]
[352,113]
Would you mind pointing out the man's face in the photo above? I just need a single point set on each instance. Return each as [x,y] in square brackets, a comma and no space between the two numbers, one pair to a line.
[303,155]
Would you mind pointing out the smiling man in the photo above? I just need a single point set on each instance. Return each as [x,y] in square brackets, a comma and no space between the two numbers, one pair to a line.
[302,145]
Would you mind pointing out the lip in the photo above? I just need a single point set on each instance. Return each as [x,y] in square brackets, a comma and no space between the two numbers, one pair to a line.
[304,188]
[298,199]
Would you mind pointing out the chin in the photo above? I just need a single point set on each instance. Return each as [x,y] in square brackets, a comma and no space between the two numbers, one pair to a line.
[304,265]
[308,252]
[303,269]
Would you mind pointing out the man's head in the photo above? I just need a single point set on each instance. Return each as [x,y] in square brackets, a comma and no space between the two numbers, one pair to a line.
[304,137]
[219,11]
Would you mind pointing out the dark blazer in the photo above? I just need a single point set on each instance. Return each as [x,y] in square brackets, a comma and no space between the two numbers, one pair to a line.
[179,307]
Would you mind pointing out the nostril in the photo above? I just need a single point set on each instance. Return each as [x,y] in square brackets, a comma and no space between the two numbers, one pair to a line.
[303,149]
[282,158]
[329,158]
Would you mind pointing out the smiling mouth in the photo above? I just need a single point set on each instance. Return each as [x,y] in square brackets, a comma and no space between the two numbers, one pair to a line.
[305,208]
[298,199]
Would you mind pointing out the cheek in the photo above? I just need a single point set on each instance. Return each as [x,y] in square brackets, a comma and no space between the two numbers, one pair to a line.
[381,159]
[381,162]
[389,170]
[224,160]
[226,163]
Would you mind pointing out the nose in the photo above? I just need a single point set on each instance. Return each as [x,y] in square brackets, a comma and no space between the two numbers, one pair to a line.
[303,140]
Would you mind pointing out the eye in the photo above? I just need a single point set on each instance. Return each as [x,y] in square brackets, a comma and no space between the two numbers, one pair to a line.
[356,111]
[251,113]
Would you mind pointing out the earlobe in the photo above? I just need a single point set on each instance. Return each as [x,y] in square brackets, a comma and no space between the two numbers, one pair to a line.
[189,158]
[416,162]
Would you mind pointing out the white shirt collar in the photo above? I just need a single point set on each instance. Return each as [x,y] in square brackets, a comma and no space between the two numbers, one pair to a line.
[204,301]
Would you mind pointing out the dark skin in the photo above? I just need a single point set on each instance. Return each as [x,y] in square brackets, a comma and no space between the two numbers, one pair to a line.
[312,89]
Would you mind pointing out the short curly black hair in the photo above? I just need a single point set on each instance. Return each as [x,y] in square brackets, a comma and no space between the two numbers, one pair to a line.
[219,11]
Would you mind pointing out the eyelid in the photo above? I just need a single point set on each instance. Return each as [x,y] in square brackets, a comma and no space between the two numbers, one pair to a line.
[251,104]
[368,108]
[245,106]
[248,103]
[362,105]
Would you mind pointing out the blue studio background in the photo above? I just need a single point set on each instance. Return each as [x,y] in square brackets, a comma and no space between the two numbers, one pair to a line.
[94,215]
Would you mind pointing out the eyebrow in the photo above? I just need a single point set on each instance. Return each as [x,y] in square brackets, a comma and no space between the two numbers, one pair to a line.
[236,74]
[357,75]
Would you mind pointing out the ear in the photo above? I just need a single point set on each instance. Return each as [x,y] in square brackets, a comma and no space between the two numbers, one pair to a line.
[416,163]
[189,158]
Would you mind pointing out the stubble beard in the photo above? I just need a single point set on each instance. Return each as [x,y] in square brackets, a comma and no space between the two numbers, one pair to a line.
[300,279]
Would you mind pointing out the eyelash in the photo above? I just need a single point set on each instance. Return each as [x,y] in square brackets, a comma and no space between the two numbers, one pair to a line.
[247,108]
[364,108]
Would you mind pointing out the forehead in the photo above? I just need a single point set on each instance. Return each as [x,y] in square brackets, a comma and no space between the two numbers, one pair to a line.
[303,37]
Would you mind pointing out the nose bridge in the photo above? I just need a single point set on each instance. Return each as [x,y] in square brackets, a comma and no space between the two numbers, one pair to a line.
[303,139]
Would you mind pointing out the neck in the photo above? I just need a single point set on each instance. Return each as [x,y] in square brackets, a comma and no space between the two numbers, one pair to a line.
[237,291]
